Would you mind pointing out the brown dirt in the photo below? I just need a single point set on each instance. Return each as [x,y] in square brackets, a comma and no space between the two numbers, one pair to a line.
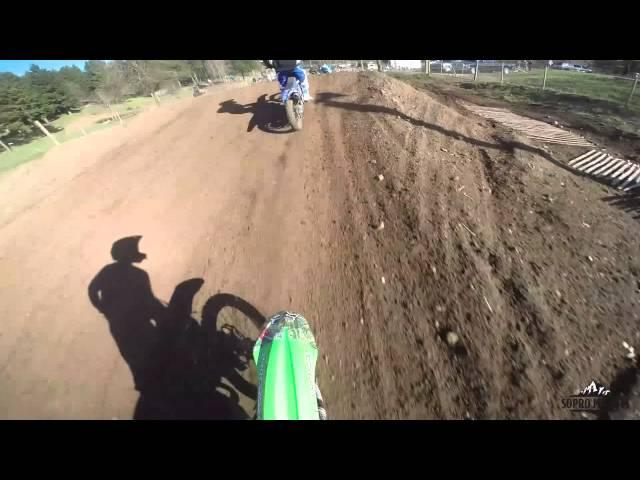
[484,236]
[569,112]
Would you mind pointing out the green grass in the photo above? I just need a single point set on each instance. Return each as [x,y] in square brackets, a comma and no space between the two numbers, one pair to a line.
[590,85]
[24,153]
[589,99]
[38,147]
[65,120]
[136,103]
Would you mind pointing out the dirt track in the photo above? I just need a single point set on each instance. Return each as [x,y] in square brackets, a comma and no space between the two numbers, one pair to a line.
[483,236]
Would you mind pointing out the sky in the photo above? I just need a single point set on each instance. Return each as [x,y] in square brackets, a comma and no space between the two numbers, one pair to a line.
[20,66]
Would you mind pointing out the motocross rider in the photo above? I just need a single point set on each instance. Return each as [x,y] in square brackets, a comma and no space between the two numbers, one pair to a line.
[287,68]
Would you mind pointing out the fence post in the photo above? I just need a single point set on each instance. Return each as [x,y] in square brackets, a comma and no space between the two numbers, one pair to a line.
[441,63]
[502,74]
[475,75]
[544,79]
[46,132]
[426,67]
[635,82]
[113,114]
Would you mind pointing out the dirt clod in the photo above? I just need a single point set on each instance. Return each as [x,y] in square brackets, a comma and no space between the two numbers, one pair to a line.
[452,339]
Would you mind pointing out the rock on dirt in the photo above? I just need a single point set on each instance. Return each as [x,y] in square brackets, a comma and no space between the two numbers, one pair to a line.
[452,339]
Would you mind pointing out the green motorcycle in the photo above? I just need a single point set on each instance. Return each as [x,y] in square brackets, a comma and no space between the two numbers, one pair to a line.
[285,355]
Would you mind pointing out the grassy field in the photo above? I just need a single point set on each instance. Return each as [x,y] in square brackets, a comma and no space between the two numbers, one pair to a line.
[591,85]
[38,147]
[591,99]
[24,153]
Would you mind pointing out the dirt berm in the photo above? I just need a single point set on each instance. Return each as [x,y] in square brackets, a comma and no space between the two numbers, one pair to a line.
[484,236]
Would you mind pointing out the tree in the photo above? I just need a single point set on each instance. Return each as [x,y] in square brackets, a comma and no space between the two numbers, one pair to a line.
[94,69]
[617,67]
[76,83]
[244,67]
[46,95]
[43,94]
[216,68]
[166,70]
[114,83]
[630,66]
[38,95]
[148,76]
[13,98]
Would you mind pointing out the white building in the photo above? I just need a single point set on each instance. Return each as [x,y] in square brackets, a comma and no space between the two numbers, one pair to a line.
[406,64]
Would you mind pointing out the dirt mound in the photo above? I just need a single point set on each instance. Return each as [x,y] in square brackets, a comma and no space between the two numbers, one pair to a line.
[484,236]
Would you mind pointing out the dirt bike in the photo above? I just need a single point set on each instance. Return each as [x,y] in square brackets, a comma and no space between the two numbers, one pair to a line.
[293,99]
[285,355]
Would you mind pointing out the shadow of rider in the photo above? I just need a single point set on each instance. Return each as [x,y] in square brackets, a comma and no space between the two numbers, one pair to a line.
[267,114]
[176,366]
[122,293]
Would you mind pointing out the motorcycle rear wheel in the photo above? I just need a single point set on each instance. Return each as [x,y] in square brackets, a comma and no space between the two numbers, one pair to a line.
[294,120]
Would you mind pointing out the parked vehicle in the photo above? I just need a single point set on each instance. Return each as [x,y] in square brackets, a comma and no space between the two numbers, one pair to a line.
[582,68]
[574,67]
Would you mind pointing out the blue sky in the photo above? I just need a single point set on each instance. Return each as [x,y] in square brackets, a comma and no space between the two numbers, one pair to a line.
[20,66]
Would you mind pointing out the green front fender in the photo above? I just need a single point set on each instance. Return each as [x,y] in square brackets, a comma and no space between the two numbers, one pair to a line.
[285,356]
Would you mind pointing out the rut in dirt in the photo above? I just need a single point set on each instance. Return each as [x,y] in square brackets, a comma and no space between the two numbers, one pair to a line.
[484,239]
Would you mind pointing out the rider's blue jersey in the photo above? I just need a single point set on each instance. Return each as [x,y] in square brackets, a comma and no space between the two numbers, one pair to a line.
[297,72]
